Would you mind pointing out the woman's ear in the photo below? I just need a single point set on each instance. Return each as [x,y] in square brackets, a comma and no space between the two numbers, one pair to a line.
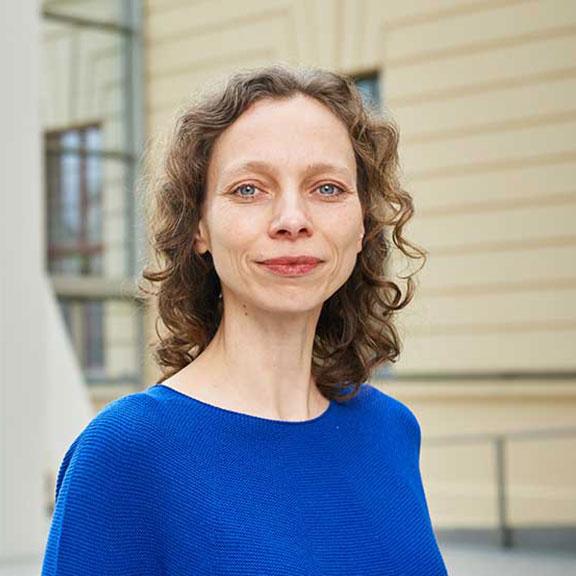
[359,244]
[201,243]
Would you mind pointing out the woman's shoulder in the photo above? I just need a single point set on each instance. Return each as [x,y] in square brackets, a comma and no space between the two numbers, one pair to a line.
[369,393]
[120,439]
[388,407]
[128,418]
[121,435]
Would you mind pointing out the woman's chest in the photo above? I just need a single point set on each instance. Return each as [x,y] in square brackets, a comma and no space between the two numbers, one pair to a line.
[260,516]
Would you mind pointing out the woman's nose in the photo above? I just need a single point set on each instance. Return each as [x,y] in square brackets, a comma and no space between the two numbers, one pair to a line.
[291,216]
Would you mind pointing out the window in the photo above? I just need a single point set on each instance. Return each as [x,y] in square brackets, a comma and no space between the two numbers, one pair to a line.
[92,110]
[74,200]
[369,86]
[85,323]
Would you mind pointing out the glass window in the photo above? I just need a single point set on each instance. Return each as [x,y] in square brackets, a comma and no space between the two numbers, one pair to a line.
[93,335]
[74,194]
[104,334]
[85,323]
[91,108]
[369,86]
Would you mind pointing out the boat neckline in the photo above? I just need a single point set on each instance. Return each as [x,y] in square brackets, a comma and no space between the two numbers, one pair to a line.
[243,415]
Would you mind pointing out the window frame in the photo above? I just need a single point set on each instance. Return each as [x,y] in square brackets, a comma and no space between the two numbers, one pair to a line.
[83,247]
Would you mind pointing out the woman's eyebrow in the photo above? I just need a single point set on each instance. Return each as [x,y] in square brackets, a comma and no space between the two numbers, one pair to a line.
[267,168]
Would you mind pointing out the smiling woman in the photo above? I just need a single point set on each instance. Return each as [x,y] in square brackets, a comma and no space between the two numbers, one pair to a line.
[263,449]
[301,148]
[282,163]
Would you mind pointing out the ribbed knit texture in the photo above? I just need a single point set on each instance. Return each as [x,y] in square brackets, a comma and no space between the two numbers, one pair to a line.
[160,483]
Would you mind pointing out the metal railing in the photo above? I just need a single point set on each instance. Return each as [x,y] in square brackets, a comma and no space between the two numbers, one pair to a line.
[500,443]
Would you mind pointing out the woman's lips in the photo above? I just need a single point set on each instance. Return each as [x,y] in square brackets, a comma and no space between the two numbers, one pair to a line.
[291,269]
[291,260]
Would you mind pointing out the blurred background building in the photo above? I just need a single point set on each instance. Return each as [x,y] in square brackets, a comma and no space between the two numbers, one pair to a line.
[92,114]
[483,92]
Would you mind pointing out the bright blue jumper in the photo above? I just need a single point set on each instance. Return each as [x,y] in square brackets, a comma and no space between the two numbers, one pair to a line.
[160,483]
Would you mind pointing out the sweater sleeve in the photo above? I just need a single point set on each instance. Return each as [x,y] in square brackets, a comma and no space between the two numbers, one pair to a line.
[102,521]
[413,435]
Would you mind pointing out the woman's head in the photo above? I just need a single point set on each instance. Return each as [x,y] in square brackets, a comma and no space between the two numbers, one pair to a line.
[281,183]
[282,162]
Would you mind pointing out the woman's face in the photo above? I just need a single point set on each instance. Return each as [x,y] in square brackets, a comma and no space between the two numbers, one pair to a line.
[281,182]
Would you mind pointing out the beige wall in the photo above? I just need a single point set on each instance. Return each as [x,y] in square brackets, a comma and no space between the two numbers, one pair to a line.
[483,92]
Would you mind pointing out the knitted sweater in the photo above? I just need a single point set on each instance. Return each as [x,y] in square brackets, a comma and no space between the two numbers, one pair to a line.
[160,483]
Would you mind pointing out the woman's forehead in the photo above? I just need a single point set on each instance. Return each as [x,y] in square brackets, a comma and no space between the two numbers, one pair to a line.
[299,131]
[293,114]
[310,168]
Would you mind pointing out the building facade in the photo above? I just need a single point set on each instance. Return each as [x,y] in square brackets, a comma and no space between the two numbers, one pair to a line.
[92,120]
[482,92]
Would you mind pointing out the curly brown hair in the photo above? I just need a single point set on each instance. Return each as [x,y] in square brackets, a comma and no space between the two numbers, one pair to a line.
[355,333]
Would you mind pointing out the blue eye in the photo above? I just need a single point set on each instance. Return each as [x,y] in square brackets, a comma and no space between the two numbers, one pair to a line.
[249,187]
[247,191]
[327,187]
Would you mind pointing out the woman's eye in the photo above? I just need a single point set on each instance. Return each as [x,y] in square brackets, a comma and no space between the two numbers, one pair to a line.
[336,190]
[250,190]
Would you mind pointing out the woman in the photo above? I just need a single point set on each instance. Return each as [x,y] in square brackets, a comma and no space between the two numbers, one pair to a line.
[263,450]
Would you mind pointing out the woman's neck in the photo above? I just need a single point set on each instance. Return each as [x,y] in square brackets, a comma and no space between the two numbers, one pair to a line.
[258,363]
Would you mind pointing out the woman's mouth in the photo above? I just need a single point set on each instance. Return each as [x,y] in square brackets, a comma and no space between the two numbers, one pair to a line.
[291,266]
[290,269]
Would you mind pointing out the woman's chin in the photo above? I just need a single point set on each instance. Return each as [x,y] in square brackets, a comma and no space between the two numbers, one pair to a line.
[288,302]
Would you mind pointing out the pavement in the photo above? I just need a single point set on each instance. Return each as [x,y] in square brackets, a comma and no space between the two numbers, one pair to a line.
[469,560]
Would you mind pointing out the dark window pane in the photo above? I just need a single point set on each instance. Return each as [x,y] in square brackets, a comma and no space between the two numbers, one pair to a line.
[66,313]
[94,186]
[94,335]
[105,337]
[69,218]
[369,87]
[84,321]
[74,194]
